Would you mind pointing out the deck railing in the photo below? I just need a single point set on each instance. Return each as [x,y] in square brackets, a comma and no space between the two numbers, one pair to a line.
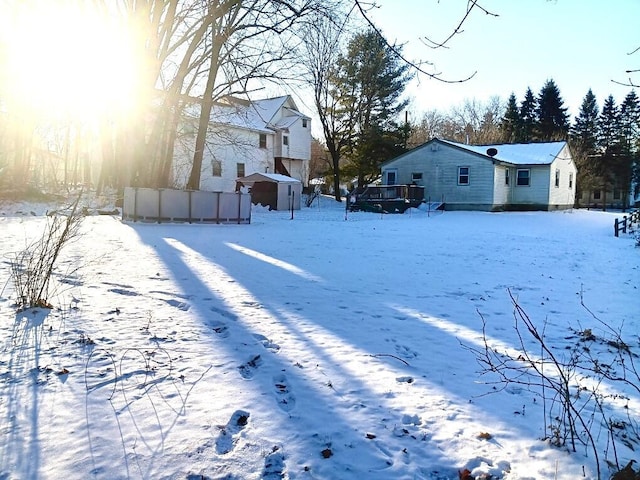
[627,222]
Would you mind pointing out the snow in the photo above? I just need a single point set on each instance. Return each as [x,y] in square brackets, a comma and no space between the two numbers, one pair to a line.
[327,346]
[542,153]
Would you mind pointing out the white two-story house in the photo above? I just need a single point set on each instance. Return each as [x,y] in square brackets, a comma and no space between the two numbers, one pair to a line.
[245,137]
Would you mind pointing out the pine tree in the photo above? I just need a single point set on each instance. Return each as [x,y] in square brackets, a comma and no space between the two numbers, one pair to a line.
[584,143]
[552,117]
[608,144]
[623,164]
[510,124]
[370,82]
[528,117]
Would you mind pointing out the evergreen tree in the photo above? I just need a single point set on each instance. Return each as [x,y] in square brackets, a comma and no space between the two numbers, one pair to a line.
[608,144]
[628,150]
[528,117]
[552,117]
[510,124]
[369,83]
[584,143]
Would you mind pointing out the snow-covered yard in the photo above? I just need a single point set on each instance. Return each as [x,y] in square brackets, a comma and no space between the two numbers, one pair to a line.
[321,347]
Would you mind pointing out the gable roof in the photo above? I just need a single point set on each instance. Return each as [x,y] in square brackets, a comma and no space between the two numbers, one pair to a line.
[511,153]
[267,177]
[542,153]
[259,115]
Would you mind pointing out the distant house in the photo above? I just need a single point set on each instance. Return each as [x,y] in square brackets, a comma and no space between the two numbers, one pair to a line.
[245,137]
[534,176]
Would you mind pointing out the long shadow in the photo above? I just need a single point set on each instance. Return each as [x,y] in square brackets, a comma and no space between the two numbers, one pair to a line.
[26,376]
[281,307]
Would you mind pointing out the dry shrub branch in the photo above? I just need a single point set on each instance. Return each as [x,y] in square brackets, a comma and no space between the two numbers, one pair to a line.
[32,268]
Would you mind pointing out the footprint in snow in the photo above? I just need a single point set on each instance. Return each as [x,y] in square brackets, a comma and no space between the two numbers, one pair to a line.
[224,313]
[220,328]
[122,291]
[179,305]
[286,401]
[266,343]
[274,466]
[247,370]
[228,433]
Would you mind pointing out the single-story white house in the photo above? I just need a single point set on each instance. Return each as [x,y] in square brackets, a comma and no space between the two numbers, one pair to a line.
[532,176]
[274,190]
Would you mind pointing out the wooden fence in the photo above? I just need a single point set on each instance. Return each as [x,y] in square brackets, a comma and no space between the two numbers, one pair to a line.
[627,222]
[186,206]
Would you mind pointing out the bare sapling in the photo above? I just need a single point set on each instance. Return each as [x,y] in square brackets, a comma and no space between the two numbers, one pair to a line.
[32,269]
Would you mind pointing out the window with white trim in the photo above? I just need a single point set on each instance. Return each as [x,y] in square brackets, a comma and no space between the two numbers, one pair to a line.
[416,177]
[240,169]
[463,175]
[263,140]
[557,177]
[571,180]
[216,168]
[285,140]
[523,177]
[506,176]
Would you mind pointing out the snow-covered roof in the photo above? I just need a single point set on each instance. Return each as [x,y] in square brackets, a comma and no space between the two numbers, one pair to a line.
[274,177]
[518,153]
[259,115]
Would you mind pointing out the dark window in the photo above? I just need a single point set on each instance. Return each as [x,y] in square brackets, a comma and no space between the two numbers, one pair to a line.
[240,169]
[463,175]
[216,168]
[523,177]
[616,194]
[557,178]
[391,178]
[596,195]
[416,176]
[304,123]
[285,140]
[506,176]
[571,180]
[263,140]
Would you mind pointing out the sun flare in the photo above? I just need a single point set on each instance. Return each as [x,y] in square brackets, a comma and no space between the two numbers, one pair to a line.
[63,59]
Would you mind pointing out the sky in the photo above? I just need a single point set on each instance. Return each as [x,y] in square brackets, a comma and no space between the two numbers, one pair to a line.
[580,44]
[315,348]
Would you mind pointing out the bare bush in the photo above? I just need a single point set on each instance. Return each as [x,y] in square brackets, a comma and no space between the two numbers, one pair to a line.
[577,405]
[32,268]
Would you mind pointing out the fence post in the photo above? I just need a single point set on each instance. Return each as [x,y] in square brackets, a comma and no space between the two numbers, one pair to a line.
[615,227]
[624,224]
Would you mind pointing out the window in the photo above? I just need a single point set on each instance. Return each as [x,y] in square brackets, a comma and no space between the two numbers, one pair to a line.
[616,194]
[596,194]
[240,169]
[263,140]
[571,180]
[557,178]
[285,140]
[416,177]
[522,177]
[304,123]
[216,168]
[506,176]
[391,177]
[463,175]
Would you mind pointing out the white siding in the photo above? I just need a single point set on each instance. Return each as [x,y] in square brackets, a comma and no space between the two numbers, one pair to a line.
[230,146]
[439,164]
[562,196]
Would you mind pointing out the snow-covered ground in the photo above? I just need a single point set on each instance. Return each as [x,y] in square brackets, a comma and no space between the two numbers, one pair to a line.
[321,347]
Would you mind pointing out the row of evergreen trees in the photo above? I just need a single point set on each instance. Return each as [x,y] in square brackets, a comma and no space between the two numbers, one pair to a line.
[605,143]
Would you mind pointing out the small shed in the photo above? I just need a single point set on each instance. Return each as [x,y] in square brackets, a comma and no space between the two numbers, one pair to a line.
[273,190]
